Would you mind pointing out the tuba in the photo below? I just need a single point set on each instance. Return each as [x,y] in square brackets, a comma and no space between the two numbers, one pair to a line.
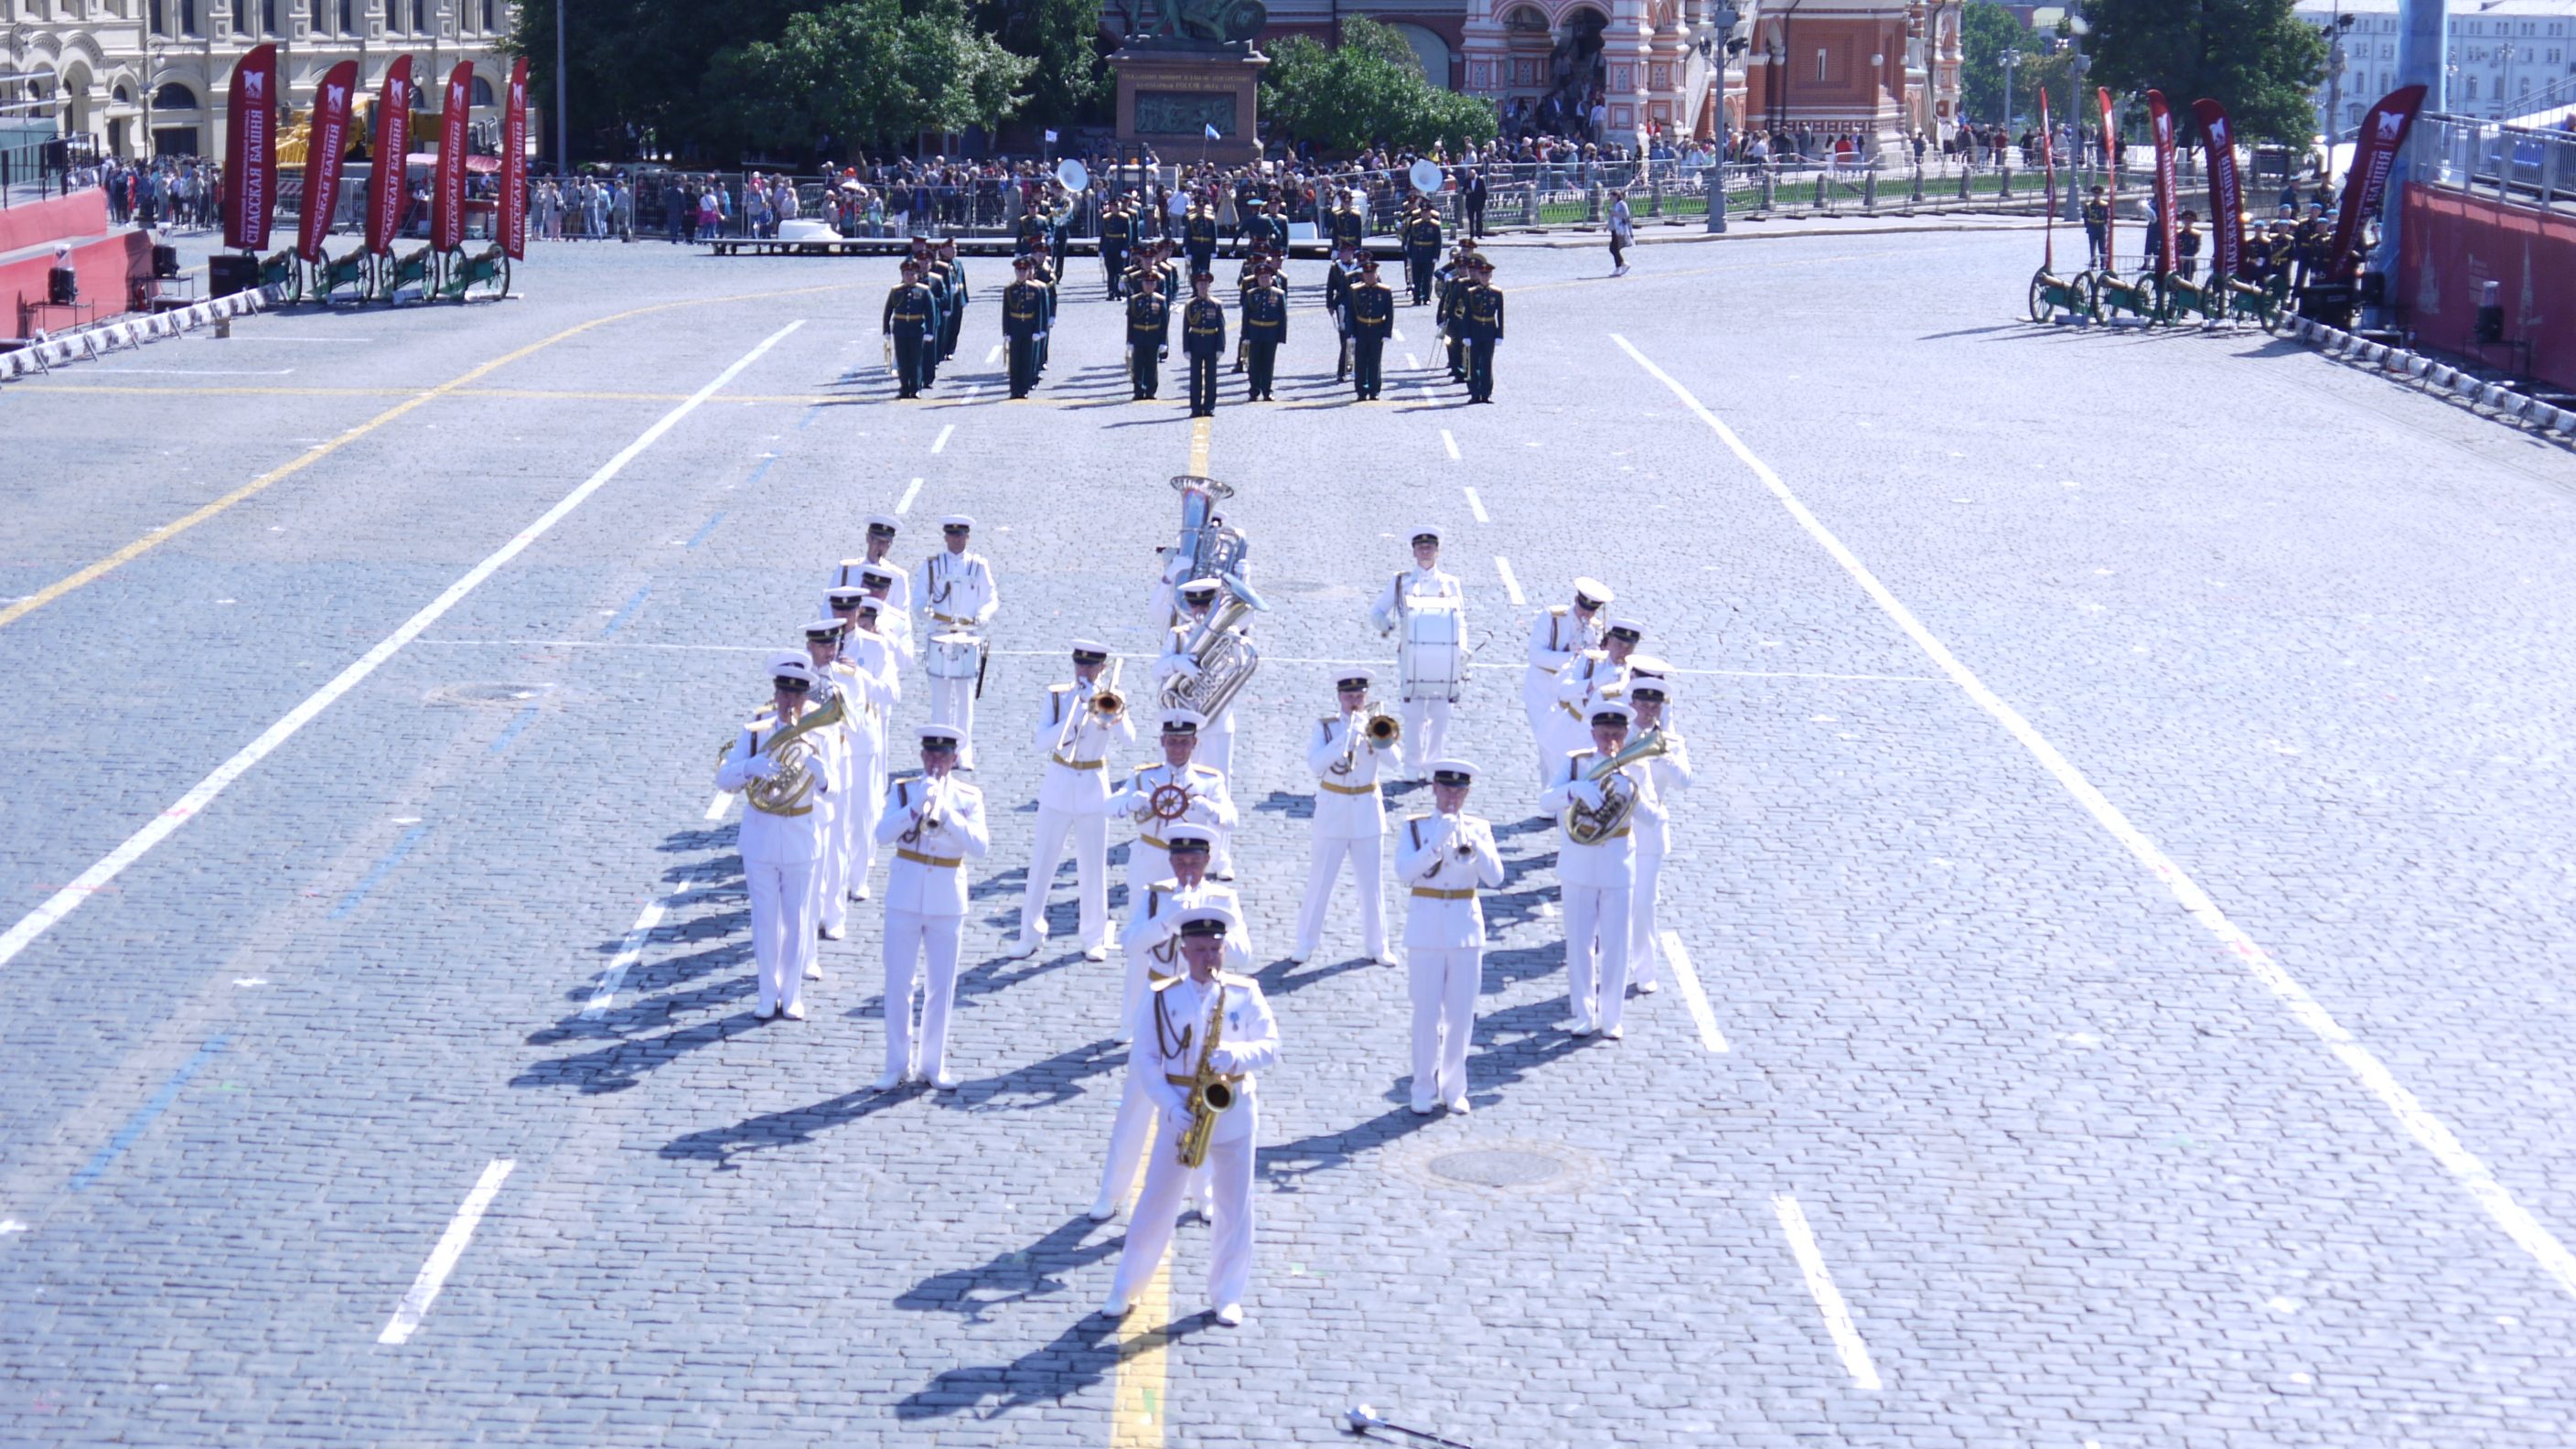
[1214,549]
[1222,660]
[1585,825]
[790,791]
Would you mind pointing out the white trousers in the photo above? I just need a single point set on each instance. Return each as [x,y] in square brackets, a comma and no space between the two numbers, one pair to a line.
[1537,704]
[1641,916]
[1127,1139]
[868,786]
[1367,855]
[1426,733]
[1091,874]
[1596,951]
[952,702]
[782,927]
[909,936]
[832,872]
[1445,980]
[1149,1229]
[1216,745]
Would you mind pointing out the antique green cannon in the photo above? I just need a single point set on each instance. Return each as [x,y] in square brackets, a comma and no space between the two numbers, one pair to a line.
[459,271]
[350,270]
[2052,296]
[2266,303]
[284,275]
[2143,297]
[395,271]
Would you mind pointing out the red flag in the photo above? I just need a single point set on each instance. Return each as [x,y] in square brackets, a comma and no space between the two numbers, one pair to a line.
[326,144]
[2383,131]
[447,184]
[2226,193]
[2160,125]
[2111,167]
[250,150]
[2048,164]
[393,158]
[514,165]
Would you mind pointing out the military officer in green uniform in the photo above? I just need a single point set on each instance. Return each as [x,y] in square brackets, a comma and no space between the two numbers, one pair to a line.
[2097,226]
[1421,249]
[1024,323]
[1198,238]
[1264,232]
[1117,233]
[1349,228]
[1265,327]
[1149,331]
[911,322]
[1203,338]
[1480,314]
[954,314]
[1372,308]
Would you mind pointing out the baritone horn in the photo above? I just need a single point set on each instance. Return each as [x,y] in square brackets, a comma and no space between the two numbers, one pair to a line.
[1586,825]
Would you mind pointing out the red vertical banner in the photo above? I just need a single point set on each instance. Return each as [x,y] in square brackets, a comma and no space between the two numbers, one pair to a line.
[2048,169]
[2160,124]
[447,184]
[2111,173]
[393,158]
[250,150]
[514,164]
[325,148]
[2374,150]
[2226,189]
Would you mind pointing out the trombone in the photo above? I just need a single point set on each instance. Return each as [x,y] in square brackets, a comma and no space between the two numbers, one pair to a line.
[1106,705]
[1382,730]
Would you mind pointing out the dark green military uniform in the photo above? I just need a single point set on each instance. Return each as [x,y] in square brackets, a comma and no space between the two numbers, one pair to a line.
[1372,309]
[1480,315]
[912,321]
[1149,329]
[1203,339]
[1421,253]
[1024,328]
[1265,328]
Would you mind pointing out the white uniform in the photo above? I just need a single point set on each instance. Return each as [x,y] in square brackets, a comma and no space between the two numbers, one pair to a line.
[1152,944]
[1666,776]
[956,594]
[1444,943]
[1594,884]
[1350,823]
[925,910]
[1073,800]
[783,857]
[870,660]
[1216,737]
[864,677]
[1556,637]
[1168,1045]
[1586,680]
[1426,720]
[1211,804]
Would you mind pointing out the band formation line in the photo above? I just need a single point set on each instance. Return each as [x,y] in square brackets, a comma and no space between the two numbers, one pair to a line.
[925,312]
[825,800]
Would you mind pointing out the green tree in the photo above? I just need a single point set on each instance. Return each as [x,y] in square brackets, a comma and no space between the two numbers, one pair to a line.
[863,71]
[2256,57]
[1986,33]
[1368,90]
[1063,37]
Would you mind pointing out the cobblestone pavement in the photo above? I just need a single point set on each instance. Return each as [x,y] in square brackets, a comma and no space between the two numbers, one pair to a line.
[2084,1168]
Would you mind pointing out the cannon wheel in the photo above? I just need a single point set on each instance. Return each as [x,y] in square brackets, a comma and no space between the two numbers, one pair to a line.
[371,285]
[2274,316]
[503,262]
[2040,311]
[2093,284]
[2080,287]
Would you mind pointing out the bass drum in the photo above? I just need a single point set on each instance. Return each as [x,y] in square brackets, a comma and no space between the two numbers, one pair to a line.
[1431,660]
[954,656]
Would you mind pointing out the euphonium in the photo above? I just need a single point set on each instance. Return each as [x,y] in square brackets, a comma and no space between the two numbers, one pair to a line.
[1585,825]
[1210,1093]
[789,790]
[1223,660]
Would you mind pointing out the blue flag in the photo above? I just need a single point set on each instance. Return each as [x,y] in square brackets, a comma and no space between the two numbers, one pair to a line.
[1211,130]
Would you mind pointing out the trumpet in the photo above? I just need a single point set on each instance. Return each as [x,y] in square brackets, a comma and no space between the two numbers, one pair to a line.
[926,818]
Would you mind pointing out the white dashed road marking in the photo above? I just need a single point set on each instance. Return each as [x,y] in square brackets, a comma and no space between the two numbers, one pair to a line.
[442,1259]
[1694,998]
[1511,585]
[1449,443]
[910,492]
[2430,1132]
[1829,1299]
[941,443]
[1475,505]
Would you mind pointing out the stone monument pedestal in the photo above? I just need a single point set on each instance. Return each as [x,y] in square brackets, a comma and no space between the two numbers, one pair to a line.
[1169,93]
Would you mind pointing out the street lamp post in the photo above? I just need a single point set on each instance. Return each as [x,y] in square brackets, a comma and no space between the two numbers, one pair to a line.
[2010,60]
[2504,82]
[563,121]
[2334,77]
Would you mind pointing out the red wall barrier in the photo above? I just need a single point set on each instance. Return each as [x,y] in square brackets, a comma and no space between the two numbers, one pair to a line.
[83,213]
[2454,243]
[107,269]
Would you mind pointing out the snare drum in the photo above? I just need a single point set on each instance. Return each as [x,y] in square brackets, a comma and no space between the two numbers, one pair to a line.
[1432,659]
[954,656]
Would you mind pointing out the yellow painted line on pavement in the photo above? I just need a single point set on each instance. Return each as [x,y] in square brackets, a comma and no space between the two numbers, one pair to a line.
[301,461]
[1200,428]
[1140,1398]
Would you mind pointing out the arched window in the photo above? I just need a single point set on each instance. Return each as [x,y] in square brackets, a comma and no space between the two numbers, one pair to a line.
[1525,17]
[482,95]
[174,97]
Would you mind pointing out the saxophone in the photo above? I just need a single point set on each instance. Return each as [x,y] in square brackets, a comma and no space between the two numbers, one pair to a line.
[1210,1093]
